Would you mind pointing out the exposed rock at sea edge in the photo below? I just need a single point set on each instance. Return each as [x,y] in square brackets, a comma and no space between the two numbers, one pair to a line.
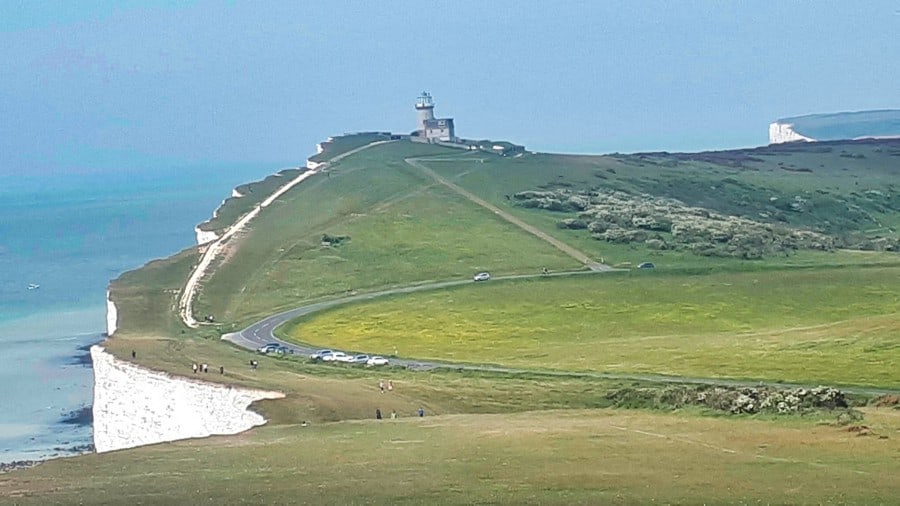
[15,465]
[134,406]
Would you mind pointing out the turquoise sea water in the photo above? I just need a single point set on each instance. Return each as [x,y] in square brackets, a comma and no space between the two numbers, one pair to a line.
[71,234]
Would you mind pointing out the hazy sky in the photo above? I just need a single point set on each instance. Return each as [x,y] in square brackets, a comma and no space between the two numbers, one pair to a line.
[133,84]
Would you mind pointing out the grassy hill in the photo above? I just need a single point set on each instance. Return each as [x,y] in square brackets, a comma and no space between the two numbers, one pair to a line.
[771,264]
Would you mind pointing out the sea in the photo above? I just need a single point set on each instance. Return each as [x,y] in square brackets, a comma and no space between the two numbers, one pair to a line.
[63,237]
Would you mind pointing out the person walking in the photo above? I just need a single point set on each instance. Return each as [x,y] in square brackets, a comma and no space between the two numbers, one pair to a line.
[390,385]
[221,369]
[381,386]
[421,412]
[133,354]
[194,367]
[393,414]
[377,414]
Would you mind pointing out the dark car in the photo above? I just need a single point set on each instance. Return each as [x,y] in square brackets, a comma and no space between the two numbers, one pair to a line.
[268,348]
[646,265]
[280,349]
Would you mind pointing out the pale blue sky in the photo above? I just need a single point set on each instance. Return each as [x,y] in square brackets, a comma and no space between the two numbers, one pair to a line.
[134,84]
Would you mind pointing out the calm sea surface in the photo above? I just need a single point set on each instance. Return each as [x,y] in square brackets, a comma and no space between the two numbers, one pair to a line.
[71,234]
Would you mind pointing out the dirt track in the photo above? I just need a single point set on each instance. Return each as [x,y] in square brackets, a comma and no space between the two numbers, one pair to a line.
[565,248]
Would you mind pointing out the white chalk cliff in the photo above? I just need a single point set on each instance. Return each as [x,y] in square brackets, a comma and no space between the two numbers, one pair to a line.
[112,316]
[134,406]
[780,133]
[205,236]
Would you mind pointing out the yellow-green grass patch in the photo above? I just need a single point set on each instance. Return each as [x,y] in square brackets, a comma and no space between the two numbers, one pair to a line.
[838,326]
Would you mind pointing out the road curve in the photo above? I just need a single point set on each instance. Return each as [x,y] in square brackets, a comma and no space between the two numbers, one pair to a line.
[263,332]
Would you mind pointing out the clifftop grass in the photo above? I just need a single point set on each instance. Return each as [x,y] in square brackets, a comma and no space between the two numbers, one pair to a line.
[814,326]
[528,437]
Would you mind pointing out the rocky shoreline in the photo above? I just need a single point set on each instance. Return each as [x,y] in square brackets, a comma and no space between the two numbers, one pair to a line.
[6,467]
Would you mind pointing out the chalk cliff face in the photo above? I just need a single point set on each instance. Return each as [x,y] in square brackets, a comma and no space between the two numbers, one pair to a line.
[784,132]
[884,123]
[205,236]
[112,316]
[134,406]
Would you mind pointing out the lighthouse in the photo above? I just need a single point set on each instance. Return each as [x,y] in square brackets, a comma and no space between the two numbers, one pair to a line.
[429,128]
[425,109]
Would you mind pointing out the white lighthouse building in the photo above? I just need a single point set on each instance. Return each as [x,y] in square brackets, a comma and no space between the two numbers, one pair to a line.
[429,128]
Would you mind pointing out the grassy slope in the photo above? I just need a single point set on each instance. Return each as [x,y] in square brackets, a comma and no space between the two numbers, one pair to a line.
[571,457]
[548,457]
[402,227]
[233,208]
[835,326]
[146,298]
[345,143]
[835,188]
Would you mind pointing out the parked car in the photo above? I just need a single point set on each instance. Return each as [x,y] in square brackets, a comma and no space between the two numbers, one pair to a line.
[343,357]
[646,265]
[320,355]
[376,360]
[482,276]
[359,359]
[336,356]
[284,350]
[268,348]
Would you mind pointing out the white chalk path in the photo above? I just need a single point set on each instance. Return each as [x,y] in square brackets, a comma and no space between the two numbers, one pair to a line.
[134,406]
[214,248]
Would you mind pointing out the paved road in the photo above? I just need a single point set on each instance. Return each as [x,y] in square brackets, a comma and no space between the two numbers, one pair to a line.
[263,332]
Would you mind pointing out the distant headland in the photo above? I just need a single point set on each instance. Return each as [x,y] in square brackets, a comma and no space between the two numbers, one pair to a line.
[837,126]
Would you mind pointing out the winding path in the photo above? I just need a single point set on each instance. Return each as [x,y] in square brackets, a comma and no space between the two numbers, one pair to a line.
[214,248]
[263,331]
[531,229]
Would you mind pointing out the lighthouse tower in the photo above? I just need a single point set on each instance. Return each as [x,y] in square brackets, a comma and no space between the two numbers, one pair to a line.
[425,110]
[429,128]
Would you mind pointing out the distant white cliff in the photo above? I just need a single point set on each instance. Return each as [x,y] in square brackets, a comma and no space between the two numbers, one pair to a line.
[884,123]
[784,132]
[134,406]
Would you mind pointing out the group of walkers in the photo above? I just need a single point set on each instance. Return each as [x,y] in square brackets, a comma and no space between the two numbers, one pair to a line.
[205,368]
[389,387]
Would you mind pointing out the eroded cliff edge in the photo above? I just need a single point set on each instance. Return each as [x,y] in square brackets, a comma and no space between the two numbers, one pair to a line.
[134,406]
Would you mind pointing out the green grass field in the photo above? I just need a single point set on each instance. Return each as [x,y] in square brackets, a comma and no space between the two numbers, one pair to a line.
[549,457]
[546,435]
[810,325]
[233,208]
[402,227]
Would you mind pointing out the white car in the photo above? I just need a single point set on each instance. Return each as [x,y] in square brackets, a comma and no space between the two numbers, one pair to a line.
[343,357]
[482,276]
[320,355]
[338,356]
[377,361]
